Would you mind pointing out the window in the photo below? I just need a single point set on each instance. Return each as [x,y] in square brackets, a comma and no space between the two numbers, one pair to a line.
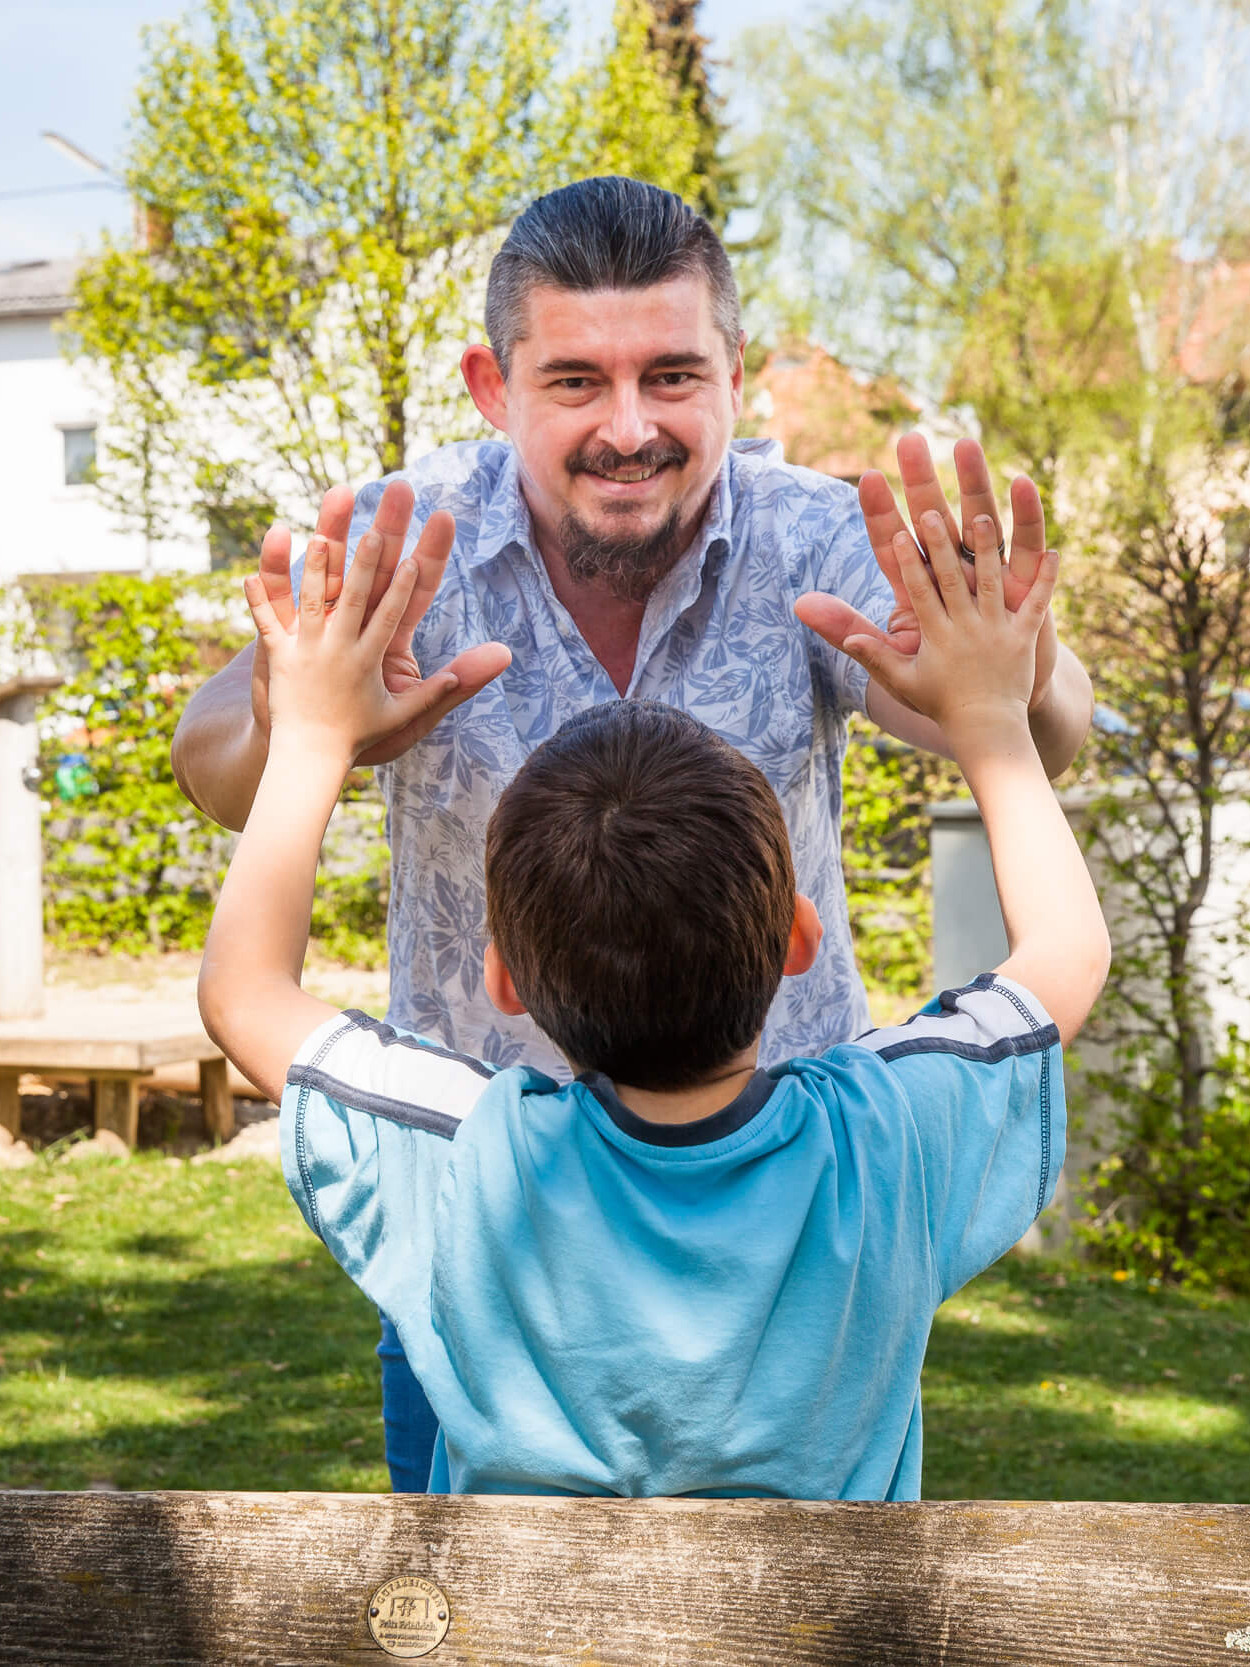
[79,455]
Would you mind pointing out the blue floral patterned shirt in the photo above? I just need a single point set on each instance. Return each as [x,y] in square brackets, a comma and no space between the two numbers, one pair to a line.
[719,639]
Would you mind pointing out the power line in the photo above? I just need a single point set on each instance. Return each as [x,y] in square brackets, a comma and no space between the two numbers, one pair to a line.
[57,190]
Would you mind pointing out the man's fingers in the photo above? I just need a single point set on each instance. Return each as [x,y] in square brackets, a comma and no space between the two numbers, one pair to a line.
[839,624]
[882,520]
[333,524]
[976,492]
[430,701]
[433,549]
[476,667]
[391,522]
[1037,602]
[1028,529]
[832,618]
[922,488]
[275,570]
[885,666]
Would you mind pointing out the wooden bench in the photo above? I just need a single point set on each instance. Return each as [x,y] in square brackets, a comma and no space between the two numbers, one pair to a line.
[115,1065]
[174,1578]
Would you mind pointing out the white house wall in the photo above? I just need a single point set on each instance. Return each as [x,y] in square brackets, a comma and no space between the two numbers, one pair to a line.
[51,527]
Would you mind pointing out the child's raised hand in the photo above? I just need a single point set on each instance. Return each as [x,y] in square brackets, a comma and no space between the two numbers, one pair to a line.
[329,677]
[976,659]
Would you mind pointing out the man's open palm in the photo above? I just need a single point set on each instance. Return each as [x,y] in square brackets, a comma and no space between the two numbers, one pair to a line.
[385,537]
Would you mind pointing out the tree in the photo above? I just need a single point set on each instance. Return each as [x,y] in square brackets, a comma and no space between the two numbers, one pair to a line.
[1164,612]
[924,152]
[673,38]
[1019,201]
[329,182]
[637,118]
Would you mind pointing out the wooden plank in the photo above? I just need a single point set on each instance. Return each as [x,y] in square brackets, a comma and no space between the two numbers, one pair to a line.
[216,1098]
[10,1103]
[246,1579]
[115,1105]
[89,1054]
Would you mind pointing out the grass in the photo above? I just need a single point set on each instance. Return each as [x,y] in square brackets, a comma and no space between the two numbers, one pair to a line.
[176,1326]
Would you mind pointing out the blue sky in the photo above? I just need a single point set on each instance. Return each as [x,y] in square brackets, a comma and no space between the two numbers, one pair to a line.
[72,66]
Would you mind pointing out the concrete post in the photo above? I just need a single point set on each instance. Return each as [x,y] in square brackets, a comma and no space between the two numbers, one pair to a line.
[21,854]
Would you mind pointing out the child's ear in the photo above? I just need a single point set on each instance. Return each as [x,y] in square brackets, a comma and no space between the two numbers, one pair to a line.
[499,985]
[805,936]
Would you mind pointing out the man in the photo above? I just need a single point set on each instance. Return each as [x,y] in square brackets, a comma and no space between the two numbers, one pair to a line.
[622,548]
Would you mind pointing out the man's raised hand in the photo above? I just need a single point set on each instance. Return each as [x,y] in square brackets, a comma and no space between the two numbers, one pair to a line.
[973,655]
[382,547]
[334,670]
[924,496]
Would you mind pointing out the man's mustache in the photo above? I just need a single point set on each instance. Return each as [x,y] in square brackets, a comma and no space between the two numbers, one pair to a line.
[604,460]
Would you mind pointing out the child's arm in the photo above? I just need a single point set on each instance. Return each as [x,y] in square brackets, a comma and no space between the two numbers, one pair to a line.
[328,701]
[973,674]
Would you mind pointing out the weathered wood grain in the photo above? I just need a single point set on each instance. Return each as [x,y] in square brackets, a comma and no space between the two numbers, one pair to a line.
[216,1099]
[245,1579]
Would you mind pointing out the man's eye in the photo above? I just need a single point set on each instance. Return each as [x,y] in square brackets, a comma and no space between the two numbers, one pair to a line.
[573,383]
[674,378]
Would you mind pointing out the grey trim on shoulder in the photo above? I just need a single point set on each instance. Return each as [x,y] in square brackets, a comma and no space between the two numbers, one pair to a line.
[295,1077]
[309,1080]
[1040,1039]
[389,1037]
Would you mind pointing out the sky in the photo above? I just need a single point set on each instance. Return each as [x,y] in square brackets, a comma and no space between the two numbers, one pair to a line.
[72,67]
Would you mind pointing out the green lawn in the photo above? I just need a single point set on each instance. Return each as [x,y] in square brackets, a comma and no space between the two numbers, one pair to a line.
[172,1326]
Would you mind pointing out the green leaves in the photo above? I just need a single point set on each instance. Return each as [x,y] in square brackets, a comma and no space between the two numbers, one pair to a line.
[329,182]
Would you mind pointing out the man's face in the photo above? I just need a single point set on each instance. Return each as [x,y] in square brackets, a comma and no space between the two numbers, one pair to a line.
[621,405]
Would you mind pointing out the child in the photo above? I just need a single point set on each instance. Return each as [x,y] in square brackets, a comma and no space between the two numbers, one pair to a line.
[679,1274]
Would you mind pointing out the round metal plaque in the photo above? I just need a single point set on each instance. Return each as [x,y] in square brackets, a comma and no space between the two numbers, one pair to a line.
[409,1617]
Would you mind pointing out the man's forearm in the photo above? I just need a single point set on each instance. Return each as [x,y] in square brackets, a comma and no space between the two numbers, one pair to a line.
[218,752]
[1060,722]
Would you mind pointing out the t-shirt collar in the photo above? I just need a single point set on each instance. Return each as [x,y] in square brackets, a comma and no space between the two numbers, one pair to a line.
[728,1120]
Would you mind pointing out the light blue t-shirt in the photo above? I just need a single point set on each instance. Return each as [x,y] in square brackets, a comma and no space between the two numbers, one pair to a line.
[740,1306]
[719,639]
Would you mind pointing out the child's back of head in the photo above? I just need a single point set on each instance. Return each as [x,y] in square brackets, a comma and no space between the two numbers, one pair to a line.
[640,892]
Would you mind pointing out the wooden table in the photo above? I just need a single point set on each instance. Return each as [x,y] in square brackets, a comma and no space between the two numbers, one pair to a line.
[114,1047]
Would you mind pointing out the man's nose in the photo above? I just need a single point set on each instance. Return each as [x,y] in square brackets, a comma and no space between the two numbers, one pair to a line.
[627,426]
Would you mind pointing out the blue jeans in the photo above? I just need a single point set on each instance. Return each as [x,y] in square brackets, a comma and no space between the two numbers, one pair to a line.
[407,1417]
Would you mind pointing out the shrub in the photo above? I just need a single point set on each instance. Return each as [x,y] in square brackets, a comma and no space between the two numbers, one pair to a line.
[1173,1202]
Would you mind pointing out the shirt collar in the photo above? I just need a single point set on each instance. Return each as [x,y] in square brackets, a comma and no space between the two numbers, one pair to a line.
[728,1120]
[506,519]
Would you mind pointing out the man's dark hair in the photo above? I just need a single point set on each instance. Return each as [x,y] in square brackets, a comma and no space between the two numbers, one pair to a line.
[608,233]
[640,890]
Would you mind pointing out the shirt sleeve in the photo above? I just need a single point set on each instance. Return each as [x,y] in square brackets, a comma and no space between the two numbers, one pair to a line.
[368,1116]
[980,1075]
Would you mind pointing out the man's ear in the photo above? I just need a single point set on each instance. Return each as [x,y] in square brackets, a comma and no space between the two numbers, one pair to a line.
[805,936]
[738,373]
[499,985]
[484,380]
